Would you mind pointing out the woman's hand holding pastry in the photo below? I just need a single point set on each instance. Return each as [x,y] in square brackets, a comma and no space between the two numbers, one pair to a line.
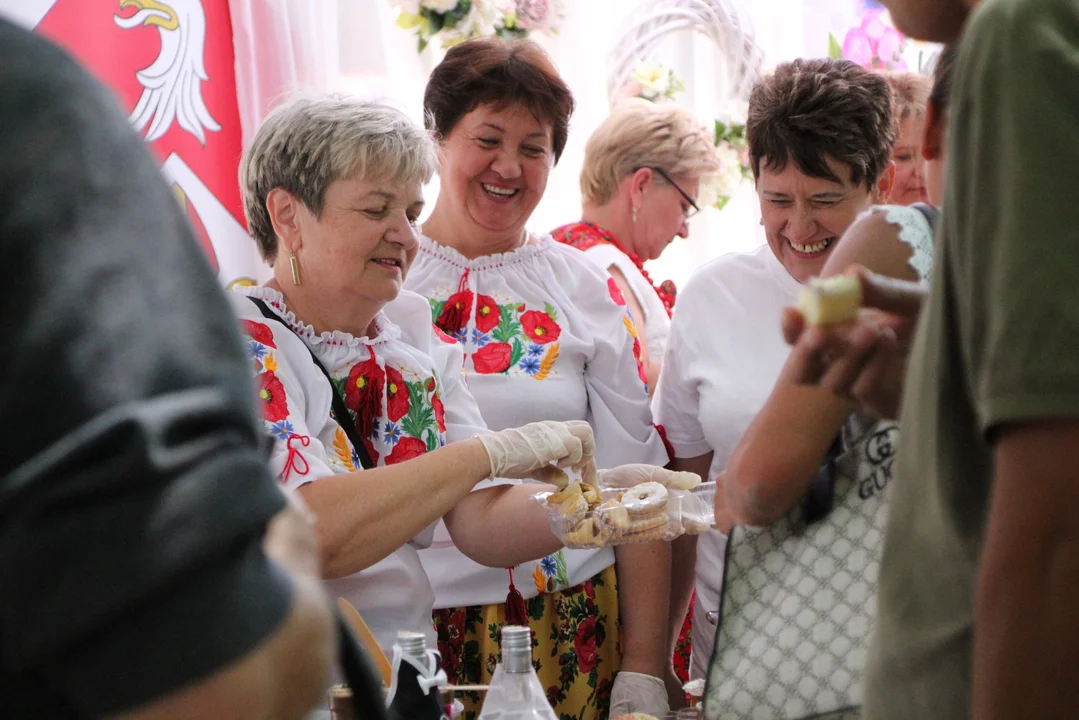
[530,451]
[626,476]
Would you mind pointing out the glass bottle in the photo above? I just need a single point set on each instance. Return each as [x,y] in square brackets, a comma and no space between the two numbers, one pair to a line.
[515,692]
[414,693]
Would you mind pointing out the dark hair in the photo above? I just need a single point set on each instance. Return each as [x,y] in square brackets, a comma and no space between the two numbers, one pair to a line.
[943,67]
[499,72]
[811,110]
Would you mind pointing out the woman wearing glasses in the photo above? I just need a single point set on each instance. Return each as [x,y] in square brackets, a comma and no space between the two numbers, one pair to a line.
[546,336]
[641,173]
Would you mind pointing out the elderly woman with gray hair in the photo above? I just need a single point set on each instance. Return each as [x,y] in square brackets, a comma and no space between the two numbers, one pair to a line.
[372,423]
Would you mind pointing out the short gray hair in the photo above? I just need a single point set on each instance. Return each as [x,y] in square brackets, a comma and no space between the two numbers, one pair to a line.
[307,144]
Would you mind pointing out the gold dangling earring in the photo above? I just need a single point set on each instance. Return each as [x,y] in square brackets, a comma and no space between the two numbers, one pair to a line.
[294,263]
[634,217]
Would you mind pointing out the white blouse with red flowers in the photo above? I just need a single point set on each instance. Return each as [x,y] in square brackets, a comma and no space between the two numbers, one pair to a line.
[407,396]
[546,337]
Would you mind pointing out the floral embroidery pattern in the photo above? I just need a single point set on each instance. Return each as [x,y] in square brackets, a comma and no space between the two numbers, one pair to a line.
[504,337]
[636,348]
[344,451]
[549,574]
[272,394]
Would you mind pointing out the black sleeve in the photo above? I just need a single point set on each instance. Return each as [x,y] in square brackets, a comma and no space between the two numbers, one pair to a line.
[133,490]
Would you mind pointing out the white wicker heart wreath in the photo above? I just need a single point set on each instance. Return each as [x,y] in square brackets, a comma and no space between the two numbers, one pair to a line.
[725,22]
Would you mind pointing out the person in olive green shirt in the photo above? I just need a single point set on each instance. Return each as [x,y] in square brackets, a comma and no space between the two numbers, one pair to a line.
[979,581]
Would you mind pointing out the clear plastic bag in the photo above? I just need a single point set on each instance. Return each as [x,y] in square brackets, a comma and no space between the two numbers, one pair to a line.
[621,516]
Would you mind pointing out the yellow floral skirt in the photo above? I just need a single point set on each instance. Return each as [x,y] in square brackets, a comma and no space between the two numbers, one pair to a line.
[575,641]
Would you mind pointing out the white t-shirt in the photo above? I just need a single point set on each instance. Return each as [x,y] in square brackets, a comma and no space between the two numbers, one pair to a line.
[657,323]
[544,339]
[415,381]
[724,354]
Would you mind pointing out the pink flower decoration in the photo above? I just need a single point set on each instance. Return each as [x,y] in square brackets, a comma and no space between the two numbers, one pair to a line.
[858,48]
[534,14]
[890,47]
[873,25]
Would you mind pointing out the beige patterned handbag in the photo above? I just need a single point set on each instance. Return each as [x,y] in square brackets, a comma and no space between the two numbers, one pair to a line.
[799,596]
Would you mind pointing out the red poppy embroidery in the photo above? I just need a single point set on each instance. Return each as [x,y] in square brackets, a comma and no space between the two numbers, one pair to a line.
[616,292]
[539,327]
[406,449]
[455,312]
[396,395]
[259,333]
[441,335]
[488,314]
[272,395]
[430,384]
[440,412]
[492,358]
[363,393]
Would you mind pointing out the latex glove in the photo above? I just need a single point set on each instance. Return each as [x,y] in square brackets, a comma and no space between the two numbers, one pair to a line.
[626,476]
[524,452]
[637,693]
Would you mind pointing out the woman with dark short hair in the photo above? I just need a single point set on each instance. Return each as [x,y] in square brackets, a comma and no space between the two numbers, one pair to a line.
[546,336]
[820,136]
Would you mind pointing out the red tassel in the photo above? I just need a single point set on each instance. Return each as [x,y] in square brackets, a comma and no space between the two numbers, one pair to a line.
[516,614]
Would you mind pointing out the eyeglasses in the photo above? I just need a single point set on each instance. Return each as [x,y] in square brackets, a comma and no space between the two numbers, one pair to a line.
[663,174]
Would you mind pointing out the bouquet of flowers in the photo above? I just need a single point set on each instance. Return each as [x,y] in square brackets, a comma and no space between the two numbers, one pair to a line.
[733,151]
[875,44]
[454,21]
[654,82]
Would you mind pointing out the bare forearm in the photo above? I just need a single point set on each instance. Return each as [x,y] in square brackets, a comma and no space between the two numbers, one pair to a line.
[644,581]
[363,517]
[1026,659]
[683,579]
[765,480]
[502,526]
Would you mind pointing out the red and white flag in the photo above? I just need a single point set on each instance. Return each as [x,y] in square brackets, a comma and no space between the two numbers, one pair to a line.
[171,64]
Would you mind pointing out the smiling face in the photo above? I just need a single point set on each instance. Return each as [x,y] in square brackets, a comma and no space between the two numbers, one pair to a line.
[909,184]
[804,216]
[662,214]
[362,245]
[494,169]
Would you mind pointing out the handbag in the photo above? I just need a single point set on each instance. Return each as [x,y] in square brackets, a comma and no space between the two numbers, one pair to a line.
[798,597]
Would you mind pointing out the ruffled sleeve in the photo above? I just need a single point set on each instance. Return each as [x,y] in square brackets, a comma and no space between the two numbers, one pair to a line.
[294,401]
[614,377]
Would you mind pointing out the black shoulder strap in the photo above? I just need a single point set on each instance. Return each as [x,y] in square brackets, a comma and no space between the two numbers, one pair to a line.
[931,214]
[340,410]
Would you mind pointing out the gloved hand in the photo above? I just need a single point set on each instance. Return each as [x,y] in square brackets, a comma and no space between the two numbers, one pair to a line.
[637,693]
[524,452]
[626,476]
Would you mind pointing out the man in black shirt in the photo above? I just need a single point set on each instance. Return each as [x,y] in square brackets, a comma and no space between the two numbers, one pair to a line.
[149,565]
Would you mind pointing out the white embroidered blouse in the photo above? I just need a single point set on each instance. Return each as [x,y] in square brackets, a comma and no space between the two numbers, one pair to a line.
[546,336]
[410,384]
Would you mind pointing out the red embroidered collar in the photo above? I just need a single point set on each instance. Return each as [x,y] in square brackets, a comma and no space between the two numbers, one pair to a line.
[583,235]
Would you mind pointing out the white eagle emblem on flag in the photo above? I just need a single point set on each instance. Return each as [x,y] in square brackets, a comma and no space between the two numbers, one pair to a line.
[172,84]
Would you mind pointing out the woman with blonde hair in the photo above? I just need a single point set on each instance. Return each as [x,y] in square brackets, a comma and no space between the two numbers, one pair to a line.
[642,171]
[910,94]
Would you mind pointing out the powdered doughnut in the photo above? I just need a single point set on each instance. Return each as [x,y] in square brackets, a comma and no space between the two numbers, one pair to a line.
[645,499]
